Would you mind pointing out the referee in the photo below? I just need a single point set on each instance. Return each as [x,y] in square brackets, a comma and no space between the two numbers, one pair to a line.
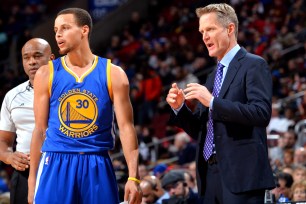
[17,119]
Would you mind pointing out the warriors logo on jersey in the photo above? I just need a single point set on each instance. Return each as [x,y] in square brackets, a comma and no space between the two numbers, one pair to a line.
[78,113]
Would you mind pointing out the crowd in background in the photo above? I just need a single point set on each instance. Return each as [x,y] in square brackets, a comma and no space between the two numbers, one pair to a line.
[165,47]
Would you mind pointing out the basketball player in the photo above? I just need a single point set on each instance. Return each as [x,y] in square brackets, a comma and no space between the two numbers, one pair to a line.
[75,98]
[17,119]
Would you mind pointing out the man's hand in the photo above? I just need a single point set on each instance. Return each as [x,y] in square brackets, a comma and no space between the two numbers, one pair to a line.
[132,192]
[198,92]
[175,97]
[19,161]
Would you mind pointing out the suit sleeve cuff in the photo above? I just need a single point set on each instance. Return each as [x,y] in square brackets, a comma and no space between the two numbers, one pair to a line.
[178,109]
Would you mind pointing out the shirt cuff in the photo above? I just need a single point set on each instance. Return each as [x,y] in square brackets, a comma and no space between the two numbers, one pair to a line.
[178,109]
[211,103]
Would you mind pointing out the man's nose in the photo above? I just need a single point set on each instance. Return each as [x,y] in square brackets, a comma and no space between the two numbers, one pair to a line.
[172,192]
[32,60]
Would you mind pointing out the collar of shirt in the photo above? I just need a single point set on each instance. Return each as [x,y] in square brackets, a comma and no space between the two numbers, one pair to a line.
[228,58]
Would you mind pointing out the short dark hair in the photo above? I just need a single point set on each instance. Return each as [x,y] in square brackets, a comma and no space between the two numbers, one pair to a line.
[286,177]
[82,17]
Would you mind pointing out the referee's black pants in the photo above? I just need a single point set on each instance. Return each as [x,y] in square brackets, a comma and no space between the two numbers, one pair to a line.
[19,187]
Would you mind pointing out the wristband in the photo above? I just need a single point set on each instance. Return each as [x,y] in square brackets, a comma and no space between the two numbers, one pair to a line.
[134,179]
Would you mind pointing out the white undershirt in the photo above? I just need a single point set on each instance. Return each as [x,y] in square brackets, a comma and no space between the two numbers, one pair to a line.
[17,115]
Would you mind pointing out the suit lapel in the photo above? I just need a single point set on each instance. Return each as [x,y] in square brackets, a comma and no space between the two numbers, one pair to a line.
[210,81]
[232,71]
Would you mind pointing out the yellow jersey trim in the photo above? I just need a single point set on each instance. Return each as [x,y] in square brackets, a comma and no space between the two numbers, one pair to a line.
[51,74]
[79,79]
[109,79]
[90,69]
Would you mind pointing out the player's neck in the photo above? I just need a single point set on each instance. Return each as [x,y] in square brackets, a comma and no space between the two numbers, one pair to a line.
[79,66]
[80,56]
[79,59]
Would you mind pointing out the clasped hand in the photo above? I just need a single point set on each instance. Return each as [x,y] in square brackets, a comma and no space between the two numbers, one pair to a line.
[177,96]
[18,160]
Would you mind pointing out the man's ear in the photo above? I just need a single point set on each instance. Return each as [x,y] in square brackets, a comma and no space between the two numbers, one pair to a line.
[52,57]
[231,28]
[85,30]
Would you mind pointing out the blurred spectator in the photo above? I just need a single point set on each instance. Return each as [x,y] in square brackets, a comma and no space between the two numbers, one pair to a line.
[145,139]
[287,169]
[4,199]
[4,182]
[142,171]
[184,148]
[174,183]
[148,95]
[282,191]
[299,173]
[286,141]
[190,181]
[120,169]
[152,191]
[300,129]
[159,170]
[135,23]
[300,156]
[286,38]
[298,191]
[192,170]
[4,187]
[288,157]
[278,123]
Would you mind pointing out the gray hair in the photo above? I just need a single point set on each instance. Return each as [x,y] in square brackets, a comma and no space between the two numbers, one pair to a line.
[225,14]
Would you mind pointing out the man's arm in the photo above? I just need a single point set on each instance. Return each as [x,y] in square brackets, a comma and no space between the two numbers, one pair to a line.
[124,115]
[41,113]
[18,160]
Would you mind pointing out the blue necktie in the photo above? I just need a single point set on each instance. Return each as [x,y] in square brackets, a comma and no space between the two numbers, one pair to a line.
[208,146]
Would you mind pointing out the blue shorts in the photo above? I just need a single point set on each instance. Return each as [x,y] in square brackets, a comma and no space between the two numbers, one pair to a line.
[65,178]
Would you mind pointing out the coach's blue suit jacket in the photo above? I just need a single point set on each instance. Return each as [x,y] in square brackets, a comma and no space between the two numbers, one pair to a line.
[240,113]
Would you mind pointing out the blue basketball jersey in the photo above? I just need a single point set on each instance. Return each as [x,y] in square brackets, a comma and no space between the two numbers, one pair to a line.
[81,109]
